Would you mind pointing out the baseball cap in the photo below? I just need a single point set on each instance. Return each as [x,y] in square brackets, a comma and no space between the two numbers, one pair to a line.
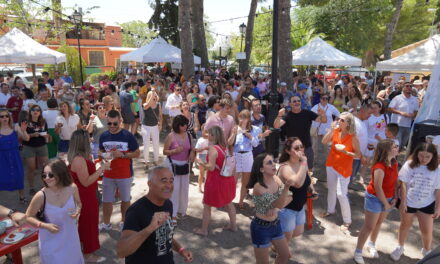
[302,86]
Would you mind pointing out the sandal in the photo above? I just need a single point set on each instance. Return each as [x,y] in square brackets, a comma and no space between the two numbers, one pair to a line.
[345,227]
[229,228]
[325,214]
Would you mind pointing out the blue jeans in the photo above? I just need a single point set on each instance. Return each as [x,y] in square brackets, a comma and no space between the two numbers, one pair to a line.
[355,168]
[403,136]
[262,236]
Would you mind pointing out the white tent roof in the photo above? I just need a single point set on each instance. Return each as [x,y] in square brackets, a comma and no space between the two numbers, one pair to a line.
[319,52]
[158,50]
[420,59]
[17,47]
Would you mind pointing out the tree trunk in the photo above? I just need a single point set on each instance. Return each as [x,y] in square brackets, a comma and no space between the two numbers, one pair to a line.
[391,27]
[57,20]
[198,32]
[185,38]
[244,64]
[284,44]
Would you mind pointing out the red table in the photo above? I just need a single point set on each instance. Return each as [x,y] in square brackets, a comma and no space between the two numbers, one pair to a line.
[15,249]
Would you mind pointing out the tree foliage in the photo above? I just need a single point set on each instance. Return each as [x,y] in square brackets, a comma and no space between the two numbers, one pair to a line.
[71,65]
[138,28]
[165,19]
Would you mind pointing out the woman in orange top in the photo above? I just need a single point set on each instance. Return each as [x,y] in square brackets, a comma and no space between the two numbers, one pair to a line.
[380,196]
[345,147]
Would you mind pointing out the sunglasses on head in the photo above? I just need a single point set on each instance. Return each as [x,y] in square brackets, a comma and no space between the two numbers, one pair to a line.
[112,124]
[49,175]
[298,147]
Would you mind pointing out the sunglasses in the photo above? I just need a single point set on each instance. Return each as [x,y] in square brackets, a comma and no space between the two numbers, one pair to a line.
[298,147]
[324,98]
[270,162]
[4,116]
[49,175]
[341,120]
[178,90]
[296,101]
[36,110]
[112,124]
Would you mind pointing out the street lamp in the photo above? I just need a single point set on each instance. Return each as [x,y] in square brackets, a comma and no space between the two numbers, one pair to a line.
[76,18]
[242,31]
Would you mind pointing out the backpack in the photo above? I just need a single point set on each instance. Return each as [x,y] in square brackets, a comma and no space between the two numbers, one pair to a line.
[228,168]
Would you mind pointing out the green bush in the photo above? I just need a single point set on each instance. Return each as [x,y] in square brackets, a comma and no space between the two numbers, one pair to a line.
[232,70]
[94,78]
[111,75]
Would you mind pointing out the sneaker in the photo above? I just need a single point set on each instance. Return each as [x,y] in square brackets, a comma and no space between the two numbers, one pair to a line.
[373,251]
[397,253]
[358,258]
[121,226]
[105,227]
[425,252]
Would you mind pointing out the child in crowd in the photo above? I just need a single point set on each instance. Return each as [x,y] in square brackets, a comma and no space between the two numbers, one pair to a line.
[391,132]
[202,150]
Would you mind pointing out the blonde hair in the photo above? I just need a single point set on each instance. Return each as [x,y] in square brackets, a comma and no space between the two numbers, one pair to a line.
[351,123]
[246,114]
[79,145]
[217,133]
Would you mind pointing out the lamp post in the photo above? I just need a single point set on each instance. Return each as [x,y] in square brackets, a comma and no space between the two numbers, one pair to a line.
[273,106]
[242,28]
[76,18]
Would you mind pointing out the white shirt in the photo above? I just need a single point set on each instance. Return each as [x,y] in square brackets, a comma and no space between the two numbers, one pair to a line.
[376,126]
[202,87]
[4,98]
[27,104]
[362,135]
[69,125]
[404,104]
[202,143]
[42,104]
[330,111]
[172,101]
[421,184]
[50,116]
[233,94]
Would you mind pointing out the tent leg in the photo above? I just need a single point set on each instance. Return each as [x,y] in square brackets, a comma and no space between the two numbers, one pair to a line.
[325,82]
[374,85]
[33,70]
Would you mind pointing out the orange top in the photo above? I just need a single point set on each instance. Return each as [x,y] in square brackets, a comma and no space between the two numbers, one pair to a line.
[389,179]
[340,162]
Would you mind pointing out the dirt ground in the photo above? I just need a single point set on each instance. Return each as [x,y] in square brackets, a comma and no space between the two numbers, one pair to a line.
[324,243]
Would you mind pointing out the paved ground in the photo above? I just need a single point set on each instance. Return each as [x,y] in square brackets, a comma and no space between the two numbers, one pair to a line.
[325,243]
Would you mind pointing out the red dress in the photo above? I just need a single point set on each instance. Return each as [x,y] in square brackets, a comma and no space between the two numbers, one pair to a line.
[219,190]
[89,217]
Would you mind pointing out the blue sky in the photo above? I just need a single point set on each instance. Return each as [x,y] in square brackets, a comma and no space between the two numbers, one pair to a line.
[116,11]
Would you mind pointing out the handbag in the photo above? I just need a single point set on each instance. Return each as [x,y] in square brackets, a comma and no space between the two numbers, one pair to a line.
[181,169]
[40,214]
[228,166]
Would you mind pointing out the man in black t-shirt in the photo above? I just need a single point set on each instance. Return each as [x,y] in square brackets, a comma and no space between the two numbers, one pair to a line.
[298,122]
[147,236]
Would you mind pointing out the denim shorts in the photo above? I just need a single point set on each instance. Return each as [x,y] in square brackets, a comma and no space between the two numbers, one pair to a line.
[373,204]
[291,219]
[262,236]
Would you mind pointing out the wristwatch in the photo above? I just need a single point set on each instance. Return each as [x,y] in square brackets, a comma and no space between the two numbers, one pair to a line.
[11,212]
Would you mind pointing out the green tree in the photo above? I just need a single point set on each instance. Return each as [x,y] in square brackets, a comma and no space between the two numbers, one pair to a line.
[71,65]
[165,19]
[136,28]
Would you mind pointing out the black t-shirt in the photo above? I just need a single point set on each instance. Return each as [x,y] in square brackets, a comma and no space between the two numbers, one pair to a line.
[157,247]
[298,125]
[35,127]
[394,94]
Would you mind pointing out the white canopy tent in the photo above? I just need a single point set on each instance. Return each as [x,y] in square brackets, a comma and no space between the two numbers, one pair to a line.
[420,59]
[319,52]
[158,50]
[17,47]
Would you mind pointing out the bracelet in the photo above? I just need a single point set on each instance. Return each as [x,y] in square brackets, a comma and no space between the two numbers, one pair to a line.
[181,249]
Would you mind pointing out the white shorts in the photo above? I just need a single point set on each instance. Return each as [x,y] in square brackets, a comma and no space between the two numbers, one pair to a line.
[243,161]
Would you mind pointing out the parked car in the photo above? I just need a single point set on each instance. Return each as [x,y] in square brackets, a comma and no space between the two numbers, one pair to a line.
[331,74]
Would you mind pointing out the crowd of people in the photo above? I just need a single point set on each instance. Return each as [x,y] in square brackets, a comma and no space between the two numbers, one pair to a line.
[217,122]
